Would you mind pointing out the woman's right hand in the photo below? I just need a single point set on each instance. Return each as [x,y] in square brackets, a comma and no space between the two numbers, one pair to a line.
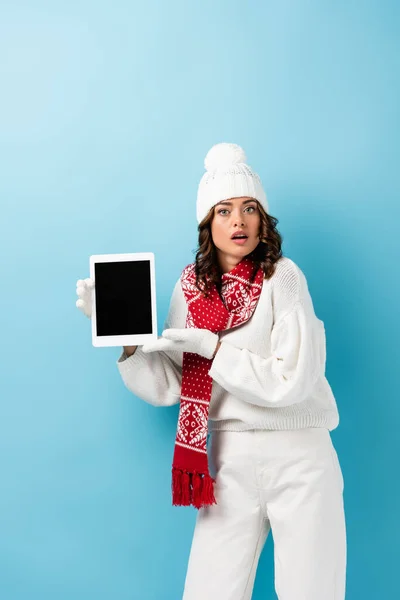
[84,290]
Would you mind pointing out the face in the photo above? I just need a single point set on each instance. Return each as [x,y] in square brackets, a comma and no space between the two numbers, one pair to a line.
[231,218]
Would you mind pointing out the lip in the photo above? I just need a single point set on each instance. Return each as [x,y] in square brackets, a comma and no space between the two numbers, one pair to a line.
[239,232]
[240,242]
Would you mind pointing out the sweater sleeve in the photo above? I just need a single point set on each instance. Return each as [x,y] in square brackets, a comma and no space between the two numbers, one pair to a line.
[156,377]
[297,357]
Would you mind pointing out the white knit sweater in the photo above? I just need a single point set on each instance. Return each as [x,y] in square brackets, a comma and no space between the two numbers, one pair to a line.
[268,373]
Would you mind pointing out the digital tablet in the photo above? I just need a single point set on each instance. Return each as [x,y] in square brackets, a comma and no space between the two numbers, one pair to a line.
[124,299]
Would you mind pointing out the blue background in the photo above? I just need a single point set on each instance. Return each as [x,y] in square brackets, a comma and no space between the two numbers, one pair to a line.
[107,110]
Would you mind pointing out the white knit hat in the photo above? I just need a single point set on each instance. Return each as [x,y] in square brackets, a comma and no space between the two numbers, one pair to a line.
[227,176]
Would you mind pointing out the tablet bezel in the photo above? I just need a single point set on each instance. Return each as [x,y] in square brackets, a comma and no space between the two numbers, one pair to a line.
[124,340]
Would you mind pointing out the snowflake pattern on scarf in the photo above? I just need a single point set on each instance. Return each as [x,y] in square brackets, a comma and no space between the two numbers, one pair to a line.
[236,304]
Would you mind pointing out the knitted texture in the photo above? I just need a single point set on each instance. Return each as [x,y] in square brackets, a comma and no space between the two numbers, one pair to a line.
[227,176]
[269,373]
[240,291]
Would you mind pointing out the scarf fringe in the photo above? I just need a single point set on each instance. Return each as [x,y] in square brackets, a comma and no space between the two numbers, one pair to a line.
[195,489]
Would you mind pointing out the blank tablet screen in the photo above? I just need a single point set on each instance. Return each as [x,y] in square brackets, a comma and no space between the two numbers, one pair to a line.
[123,298]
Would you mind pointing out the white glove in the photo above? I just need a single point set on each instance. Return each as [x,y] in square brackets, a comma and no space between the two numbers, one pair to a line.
[84,289]
[198,341]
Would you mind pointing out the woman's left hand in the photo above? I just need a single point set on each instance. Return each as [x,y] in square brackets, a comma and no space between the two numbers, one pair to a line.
[197,341]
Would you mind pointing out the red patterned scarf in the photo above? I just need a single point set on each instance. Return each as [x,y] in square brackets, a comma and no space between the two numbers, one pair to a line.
[191,481]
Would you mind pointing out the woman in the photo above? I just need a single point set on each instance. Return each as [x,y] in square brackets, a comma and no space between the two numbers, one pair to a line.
[244,354]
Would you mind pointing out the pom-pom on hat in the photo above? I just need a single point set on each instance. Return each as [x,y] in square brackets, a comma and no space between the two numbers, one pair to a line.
[227,176]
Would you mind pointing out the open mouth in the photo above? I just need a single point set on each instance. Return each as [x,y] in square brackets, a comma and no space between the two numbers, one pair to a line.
[239,239]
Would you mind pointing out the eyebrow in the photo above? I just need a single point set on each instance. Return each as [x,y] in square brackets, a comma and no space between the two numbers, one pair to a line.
[230,203]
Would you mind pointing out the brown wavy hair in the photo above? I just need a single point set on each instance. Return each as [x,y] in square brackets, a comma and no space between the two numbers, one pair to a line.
[265,255]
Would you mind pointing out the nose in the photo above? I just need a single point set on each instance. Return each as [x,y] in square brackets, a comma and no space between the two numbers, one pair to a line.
[238,222]
[238,219]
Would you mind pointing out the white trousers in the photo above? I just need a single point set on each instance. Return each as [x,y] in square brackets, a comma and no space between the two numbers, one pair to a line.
[287,481]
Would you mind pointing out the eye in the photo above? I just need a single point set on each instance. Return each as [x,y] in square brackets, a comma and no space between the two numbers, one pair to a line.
[221,210]
[252,208]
